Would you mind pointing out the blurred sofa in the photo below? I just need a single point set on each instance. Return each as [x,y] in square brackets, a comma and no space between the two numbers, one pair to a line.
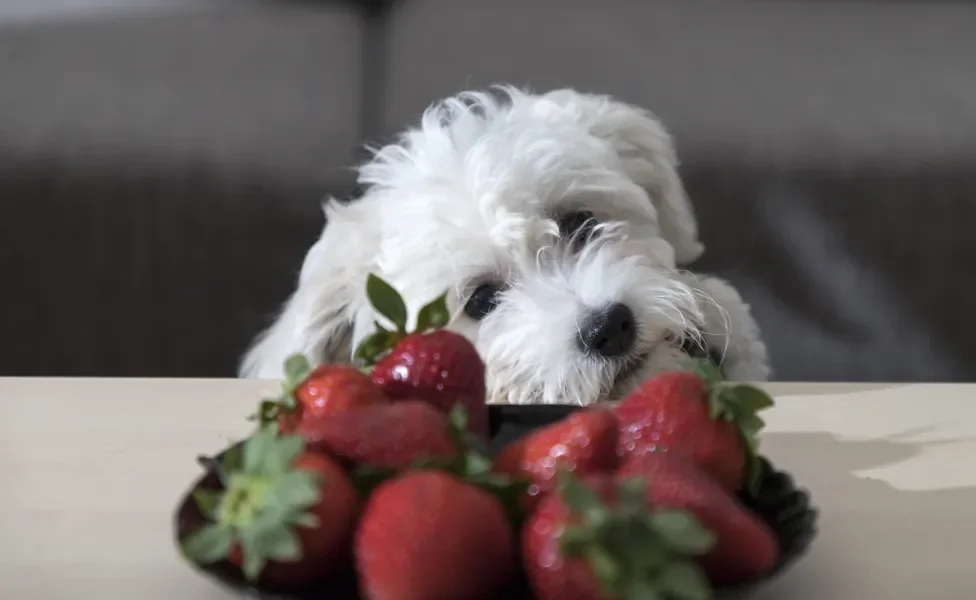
[162,166]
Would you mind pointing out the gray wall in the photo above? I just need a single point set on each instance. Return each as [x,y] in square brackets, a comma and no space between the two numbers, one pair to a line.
[33,10]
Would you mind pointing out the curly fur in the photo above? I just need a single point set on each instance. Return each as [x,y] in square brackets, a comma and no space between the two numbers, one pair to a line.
[473,194]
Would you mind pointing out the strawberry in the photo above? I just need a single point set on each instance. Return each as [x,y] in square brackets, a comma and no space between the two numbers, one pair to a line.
[441,367]
[745,549]
[434,365]
[285,516]
[310,393]
[583,442]
[391,435]
[597,538]
[427,535]
[698,415]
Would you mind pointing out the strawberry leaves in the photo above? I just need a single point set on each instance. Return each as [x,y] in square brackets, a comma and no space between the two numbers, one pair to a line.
[474,465]
[390,304]
[264,499]
[739,404]
[681,531]
[374,346]
[634,552]
[209,544]
[297,369]
[207,501]
[433,315]
[387,301]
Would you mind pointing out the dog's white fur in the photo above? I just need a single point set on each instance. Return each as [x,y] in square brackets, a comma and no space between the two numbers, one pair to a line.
[472,195]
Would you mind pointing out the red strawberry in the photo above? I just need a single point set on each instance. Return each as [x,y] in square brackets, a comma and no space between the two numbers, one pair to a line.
[583,442]
[442,368]
[430,364]
[429,536]
[310,393]
[745,548]
[286,516]
[598,539]
[713,422]
[386,435]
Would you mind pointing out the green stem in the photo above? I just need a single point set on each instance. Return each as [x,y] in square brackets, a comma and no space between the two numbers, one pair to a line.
[604,565]
[242,501]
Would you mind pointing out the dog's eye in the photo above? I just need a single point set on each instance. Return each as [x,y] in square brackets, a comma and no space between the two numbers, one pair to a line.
[577,226]
[483,300]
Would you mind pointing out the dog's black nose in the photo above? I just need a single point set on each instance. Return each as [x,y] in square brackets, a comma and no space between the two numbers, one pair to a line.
[610,332]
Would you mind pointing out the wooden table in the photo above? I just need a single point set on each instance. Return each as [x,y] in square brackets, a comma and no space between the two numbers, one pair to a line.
[90,471]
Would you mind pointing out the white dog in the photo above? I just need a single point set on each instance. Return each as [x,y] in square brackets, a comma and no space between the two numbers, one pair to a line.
[558,224]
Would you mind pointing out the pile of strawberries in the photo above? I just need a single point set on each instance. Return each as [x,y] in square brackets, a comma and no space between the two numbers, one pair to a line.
[382,468]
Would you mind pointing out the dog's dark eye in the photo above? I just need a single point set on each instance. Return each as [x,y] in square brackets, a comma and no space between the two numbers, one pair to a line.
[483,300]
[577,226]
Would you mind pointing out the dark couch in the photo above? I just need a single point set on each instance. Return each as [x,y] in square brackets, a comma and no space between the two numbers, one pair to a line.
[161,171]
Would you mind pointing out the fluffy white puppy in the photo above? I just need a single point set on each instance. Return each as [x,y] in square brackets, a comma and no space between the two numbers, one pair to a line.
[558,224]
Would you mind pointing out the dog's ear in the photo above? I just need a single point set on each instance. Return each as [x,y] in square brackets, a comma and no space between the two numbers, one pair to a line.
[648,156]
[729,328]
[319,317]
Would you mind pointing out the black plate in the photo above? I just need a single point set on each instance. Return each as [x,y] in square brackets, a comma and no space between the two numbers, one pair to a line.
[785,507]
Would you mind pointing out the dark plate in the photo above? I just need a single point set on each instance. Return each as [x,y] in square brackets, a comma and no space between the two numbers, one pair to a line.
[783,505]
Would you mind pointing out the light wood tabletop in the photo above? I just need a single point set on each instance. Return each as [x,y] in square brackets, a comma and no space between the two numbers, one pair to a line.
[91,470]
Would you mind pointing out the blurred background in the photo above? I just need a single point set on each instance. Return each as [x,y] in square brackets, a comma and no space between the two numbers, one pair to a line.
[162,162]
